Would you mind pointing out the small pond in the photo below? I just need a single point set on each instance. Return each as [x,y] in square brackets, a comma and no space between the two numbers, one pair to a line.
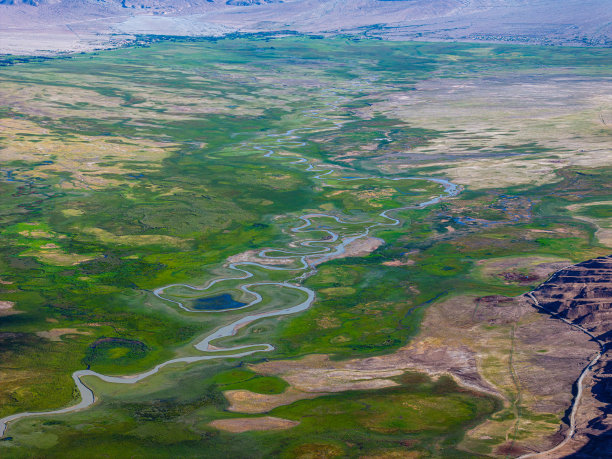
[217,303]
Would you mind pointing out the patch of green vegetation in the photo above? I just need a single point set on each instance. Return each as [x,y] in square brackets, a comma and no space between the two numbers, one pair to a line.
[427,415]
[420,415]
[179,183]
[247,380]
[106,353]
[596,211]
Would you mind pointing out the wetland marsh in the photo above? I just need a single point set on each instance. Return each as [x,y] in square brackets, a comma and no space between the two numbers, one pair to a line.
[297,247]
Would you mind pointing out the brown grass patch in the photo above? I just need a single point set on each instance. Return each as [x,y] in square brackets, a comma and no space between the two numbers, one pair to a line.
[87,158]
[37,234]
[399,263]
[5,305]
[252,256]
[240,425]
[55,334]
[7,308]
[536,268]
[50,245]
[245,401]
[326,322]
[57,257]
[317,373]
[317,451]
[138,239]
[358,248]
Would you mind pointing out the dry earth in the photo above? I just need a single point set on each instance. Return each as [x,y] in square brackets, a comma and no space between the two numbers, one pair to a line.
[55,334]
[521,270]
[7,308]
[81,25]
[239,425]
[245,401]
[5,305]
[358,248]
[486,120]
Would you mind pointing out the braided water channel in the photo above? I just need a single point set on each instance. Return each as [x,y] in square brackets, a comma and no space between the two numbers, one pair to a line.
[335,246]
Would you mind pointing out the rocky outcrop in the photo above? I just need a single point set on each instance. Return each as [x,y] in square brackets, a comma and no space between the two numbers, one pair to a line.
[582,295]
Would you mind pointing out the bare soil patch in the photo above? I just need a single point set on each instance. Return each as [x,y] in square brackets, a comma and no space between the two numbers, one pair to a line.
[5,305]
[357,248]
[245,401]
[7,308]
[252,256]
[400,262]
[55,334]
[249,424]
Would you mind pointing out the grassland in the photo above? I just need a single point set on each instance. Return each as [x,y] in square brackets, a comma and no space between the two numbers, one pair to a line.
[126,170]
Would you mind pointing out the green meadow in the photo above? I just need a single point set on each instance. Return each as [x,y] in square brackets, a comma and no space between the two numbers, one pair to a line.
[127,170]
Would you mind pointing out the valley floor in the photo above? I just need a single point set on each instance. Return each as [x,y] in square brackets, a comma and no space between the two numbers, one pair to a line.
[305,247]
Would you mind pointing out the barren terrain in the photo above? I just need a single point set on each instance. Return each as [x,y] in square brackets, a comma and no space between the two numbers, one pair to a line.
[82,25]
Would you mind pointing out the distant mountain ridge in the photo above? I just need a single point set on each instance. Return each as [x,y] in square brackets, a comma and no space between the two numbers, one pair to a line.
[47,26]
[144,4]
[16,2]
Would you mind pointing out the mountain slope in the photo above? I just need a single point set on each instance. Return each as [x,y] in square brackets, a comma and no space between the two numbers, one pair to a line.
[73,25]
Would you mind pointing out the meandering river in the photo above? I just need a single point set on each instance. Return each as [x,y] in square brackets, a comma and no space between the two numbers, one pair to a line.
[322,249]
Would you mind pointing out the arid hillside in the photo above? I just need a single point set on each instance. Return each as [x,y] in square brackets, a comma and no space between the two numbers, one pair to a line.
[77,25]
[581,294]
